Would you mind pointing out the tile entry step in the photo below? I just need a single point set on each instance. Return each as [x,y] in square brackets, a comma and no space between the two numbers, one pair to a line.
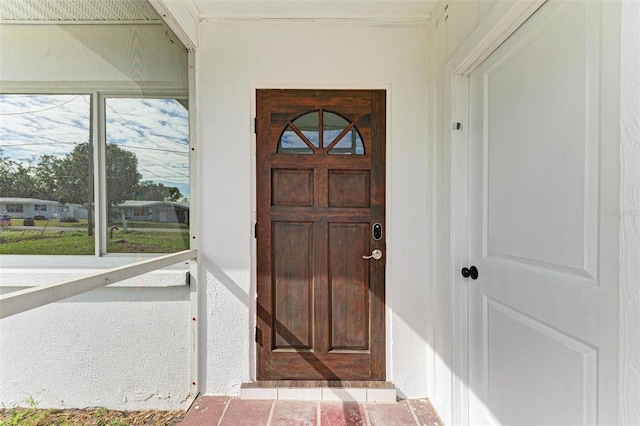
[319,390]
[209,410]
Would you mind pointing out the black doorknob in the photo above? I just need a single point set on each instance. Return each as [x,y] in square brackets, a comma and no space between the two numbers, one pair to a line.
[470,272]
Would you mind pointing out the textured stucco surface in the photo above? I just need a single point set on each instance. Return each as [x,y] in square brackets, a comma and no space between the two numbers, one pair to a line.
[123,348]
[630,215]
[235,58]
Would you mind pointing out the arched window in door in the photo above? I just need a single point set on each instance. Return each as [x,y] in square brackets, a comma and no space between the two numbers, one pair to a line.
[304,136]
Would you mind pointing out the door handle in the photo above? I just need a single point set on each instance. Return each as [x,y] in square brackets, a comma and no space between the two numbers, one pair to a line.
[376,254]
[470,272]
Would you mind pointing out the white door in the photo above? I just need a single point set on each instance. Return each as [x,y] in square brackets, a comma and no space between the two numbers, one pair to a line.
[543,312]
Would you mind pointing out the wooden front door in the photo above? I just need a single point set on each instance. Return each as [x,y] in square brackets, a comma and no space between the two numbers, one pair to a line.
[320,209]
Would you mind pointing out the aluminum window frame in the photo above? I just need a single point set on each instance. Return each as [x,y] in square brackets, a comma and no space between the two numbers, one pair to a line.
[97,137]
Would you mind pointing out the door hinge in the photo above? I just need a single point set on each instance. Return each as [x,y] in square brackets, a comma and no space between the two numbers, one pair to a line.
[255,230]
[256,335]
[255,125]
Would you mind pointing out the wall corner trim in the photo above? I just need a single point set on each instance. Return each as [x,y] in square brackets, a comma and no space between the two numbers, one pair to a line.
[501,22]
[181,19]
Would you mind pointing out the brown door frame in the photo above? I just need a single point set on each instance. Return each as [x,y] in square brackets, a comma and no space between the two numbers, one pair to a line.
[373,103]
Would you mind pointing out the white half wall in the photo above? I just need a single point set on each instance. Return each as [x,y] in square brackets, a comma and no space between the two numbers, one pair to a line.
[235,58]
[123,348]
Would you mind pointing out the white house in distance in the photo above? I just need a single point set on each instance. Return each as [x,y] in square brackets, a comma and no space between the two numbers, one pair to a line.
[75,211]
[154,211]
[30,207]
[444,192]
[27,207]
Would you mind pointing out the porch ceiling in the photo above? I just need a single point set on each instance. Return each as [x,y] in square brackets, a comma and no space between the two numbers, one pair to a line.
[120,11]
[76,11]
[404,10]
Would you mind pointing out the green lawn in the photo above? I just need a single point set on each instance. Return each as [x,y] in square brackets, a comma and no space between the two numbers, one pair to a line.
[77,242]
[134,224]
[82,224]
[148,242]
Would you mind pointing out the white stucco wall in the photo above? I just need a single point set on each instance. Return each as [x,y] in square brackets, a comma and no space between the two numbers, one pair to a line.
[122,347]
[236,57]
[630,215]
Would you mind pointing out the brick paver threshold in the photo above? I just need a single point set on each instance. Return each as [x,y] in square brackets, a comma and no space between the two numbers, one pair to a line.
[227,411]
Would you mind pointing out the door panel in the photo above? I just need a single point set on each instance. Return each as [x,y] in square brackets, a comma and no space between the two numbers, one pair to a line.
[543,311]
[320,179]
[293,299]
[292,188]
[349,285]
[349,188]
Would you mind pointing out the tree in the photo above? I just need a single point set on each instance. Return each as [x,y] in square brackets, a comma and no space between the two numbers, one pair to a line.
[151,191]
[75,177]
[45,175]
[16,179]
[75,181]
[6,177]
[122,174]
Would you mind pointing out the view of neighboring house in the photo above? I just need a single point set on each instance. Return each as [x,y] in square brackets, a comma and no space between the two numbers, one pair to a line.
[30,207]
[154,211]
[75,211]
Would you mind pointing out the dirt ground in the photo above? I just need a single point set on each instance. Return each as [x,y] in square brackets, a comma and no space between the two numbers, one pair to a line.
[88,417]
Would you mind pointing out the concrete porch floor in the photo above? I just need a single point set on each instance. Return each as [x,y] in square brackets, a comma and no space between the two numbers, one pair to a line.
[228,411]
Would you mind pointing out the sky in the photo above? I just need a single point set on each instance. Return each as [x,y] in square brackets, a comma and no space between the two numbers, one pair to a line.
[156,130]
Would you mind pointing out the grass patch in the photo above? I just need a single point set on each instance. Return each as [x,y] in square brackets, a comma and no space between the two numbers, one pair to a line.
[89,417]
[76,242]
[147,242]
[141,225]
[51,242]
[82,223]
